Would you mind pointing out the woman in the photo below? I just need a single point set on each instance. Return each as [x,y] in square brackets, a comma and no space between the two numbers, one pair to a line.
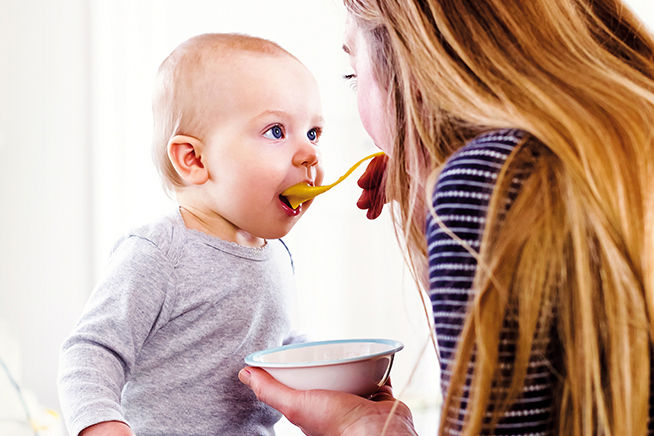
[539,247]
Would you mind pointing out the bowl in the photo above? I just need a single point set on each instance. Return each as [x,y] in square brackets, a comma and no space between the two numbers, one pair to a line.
[357,366]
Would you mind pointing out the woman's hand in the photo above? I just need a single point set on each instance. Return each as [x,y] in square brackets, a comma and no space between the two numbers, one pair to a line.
[107,428]
[330,413]
[373,183]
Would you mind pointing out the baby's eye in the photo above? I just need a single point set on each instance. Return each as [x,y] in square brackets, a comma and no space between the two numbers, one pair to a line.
[313,134]
[275,132]
[351,80]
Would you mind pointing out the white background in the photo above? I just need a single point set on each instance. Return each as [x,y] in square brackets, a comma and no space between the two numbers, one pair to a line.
[75,173]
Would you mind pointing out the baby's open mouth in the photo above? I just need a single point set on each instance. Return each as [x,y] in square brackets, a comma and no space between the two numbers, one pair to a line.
[285,201]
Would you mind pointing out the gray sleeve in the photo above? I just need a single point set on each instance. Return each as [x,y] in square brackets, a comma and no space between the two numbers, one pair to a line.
[118,317]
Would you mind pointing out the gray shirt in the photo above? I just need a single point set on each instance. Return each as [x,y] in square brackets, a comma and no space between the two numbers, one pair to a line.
[165,331]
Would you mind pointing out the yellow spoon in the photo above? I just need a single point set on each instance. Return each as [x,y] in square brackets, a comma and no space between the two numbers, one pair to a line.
[298,194]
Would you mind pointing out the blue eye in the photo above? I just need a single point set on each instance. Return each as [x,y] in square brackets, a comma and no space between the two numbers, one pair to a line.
[312,134]
[275,132]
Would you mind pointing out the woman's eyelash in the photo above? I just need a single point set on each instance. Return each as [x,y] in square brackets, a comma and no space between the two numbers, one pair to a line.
[351,80]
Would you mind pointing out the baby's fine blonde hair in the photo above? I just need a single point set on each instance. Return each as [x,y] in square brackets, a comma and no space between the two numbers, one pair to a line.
[182,84]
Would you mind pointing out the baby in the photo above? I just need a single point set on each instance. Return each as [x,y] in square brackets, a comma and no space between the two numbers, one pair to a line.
[163,335]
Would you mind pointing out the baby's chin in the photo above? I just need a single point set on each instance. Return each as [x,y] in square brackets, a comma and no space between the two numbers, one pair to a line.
[276,232]
[279,229]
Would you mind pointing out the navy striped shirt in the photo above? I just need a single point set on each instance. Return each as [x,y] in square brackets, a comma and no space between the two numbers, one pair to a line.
[461,198]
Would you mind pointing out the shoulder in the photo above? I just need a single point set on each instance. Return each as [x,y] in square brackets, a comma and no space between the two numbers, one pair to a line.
[485,150]
[140,266]
[463,188]
[476,165]
[158,240]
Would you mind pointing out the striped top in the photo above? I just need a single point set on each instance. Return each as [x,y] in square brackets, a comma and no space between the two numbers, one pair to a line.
[461,200]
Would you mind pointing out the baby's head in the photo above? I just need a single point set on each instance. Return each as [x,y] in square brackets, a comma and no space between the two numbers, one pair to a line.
[237,121]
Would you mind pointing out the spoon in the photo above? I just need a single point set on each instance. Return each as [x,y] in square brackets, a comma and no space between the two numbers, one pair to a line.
[301,192]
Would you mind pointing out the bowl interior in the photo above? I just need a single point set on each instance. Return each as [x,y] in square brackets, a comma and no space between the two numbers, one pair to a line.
[326,352]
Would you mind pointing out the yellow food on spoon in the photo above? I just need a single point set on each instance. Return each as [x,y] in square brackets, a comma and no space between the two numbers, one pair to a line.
[298,194]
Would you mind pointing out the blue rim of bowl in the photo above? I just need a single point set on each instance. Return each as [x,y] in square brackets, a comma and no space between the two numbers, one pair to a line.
[251,359]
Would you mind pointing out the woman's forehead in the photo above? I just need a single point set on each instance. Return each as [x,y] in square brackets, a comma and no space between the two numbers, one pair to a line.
[350,37]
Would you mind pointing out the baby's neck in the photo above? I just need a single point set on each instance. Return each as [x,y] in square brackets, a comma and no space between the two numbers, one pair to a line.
[217,226]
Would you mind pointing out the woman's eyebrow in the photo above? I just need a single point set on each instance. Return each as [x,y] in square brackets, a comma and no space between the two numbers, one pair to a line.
[346,49]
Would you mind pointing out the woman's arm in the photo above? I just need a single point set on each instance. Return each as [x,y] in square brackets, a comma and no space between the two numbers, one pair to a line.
[320,412]
[461,200]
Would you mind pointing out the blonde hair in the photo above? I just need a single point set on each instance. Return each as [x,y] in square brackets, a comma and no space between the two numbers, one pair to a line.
[574,255]
[183,80]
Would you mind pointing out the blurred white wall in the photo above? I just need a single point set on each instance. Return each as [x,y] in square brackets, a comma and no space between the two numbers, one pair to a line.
[45,224]
[75,80]
[75,126]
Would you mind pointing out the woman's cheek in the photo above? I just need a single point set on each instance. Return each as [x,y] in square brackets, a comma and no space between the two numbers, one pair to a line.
[373,116]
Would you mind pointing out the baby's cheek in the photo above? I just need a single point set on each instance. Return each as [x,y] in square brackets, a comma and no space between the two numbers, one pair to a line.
[320,174]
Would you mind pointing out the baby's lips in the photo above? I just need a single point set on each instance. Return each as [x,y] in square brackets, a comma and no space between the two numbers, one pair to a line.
[287,202]
[299,193]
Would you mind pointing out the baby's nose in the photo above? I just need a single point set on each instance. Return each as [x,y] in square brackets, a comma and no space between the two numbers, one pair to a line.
[306,155]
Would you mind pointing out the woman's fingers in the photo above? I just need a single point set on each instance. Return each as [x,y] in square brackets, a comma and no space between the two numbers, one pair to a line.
[269,390]
[385,393]
[315,412]
[320,412]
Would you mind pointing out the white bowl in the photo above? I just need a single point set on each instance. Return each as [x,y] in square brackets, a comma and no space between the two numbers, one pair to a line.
[357,366]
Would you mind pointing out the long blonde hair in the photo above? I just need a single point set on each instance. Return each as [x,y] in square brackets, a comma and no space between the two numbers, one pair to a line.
[573,258]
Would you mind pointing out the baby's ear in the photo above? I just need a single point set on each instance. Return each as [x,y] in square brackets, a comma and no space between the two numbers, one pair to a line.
[185,153]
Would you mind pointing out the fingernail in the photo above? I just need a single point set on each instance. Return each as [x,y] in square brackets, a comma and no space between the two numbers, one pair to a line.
[244,376]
